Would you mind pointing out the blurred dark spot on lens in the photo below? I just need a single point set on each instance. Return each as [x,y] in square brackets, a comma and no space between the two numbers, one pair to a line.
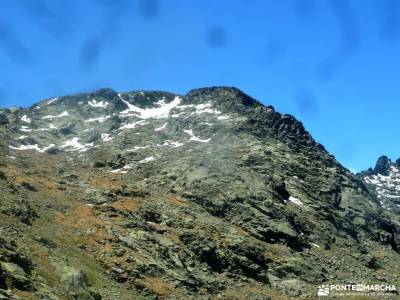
[42,14]
[105,36]
[349,42]
[39,8]
[348,24]
[216,37]
[305,103]
[13,47]
[275,51]
[391,19]
[305,8]
[90,52]
[149,8]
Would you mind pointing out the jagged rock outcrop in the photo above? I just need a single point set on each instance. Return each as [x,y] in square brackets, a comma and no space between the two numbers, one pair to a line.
[384,183]
[382,166]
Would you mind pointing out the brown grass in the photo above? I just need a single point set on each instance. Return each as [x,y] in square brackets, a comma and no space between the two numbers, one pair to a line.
[157,285]
[243,292]
[40,258]
[129,204]
[176,201]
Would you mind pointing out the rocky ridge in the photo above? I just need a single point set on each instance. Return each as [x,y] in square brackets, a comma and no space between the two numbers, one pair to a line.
[162,196]
[384,182]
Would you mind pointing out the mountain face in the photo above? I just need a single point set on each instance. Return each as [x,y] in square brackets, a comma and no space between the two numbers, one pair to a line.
[153,195]
[384,182]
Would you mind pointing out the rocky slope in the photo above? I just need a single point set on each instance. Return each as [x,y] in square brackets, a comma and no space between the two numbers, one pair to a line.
[384,182]
[154,195]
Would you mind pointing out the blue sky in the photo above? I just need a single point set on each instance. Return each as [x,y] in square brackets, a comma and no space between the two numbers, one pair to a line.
[334,64]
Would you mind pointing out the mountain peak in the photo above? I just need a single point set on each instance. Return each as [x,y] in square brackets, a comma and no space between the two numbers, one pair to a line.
[61,121]
[384,182]
[382,165]
[206,193]
[105,92]
[222,95]
[147,99]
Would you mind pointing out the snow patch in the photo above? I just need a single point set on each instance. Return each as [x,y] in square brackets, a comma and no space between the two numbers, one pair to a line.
[94,103]
[106,137]
[133,125]
[21,137]
[26,147]
[206,108]
[32,147]
[99,119]
[25,119]
[52,100]
[160,102]
[178,114]
[146,160]
[147,113]
[25,129]
[118,171]
[162,127]
[203,106]
[74,145]
[127,167]
[171,143]
[199,109]
[371,180]
[295,200]
[63,114]
[137,148]
[195,138]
